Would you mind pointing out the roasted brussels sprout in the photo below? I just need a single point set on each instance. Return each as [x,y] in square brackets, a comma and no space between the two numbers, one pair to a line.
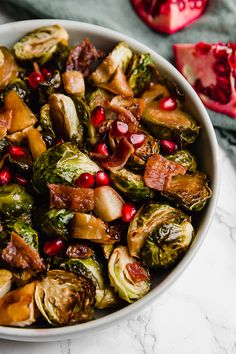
[98,98]
[60,164]
[20,87]
[5,281]
[184,158]
[48,87]
[41,44]
[8,67]
[65,298]
[55,222]
[127,276]
[148,220]
[189,191]
[46,124]
[14,200]
[130,184]
[92,269]
[139,72]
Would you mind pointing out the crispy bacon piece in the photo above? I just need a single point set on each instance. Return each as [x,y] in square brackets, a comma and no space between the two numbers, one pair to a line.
[159,172]
[137,272]
[81,57]
[71,198]
[79,251]
[20,254]
[124,150]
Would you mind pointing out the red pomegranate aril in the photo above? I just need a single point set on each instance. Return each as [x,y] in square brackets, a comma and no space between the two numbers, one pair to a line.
[202,48]
[128,212]
[168,147]
[119,129]
[85,180]
[98,116]
[46,73]
[35,79]
[16,152]
[102,149]
[102,179]
[59,141]
[53,247]
[168,104]
[5,176]
[219,53]
[137,139]
[221,69]
[21,180]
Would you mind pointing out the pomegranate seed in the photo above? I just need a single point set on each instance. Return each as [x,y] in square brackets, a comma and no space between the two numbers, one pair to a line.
[128,212]
[119,128]
[202,48]
[16,152]
[232,60]
[85,180]
[5,176]
[54,247]
[35,79]
[46,73]
[102,149]
[102,179]
[168,104]
[22,181]
[137,139]
[59,141]
[168,147]
[220,53]
[98,116]
[221,69]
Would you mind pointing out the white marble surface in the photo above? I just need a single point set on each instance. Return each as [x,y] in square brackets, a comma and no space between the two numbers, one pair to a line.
[197,315]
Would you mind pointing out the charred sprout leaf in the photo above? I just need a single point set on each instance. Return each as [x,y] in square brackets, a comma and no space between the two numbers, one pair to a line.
[41,44]
[171,86]
[55,222]
[92,269]
[131,185]
[65,298]
[8,67]
[107,250]
[45,122]
[49,86]
[99,97]
[60,57]
[130,286]
[5,281]
[149,218]
[20,87]
[184,158]
[14,200]
[61,164]
[139,72]
[189,191]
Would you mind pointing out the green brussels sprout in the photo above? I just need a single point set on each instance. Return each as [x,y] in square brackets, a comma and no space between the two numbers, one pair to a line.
[61,164]
[92,269]
[127,276]
[130,184]
[64,117]
[55,222]
[98,98]
[65,298]
[14,200]
[60,57]
[48,87]
[107,250]
[8,67]
[20,87]
[41,44]
[5,281]
[148,220]
[45,122]
[184,158]
[191,192]
[139,72]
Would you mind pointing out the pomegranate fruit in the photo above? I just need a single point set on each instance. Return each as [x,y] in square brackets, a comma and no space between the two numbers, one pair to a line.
[119,128]
[101,148]
[21,180]
[53,247]
[16,152]
[168,104]
[128,212]
[5,176]
[169,16]
[98,116]
[102,179]
[168,147]
[137,139]
[85,180]
[35,79]
[211,70]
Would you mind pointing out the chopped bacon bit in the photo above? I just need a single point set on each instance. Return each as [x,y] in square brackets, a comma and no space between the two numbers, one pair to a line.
[79,251]
[20,254]
[159,172]
[124,150]
[137,272]
[81,57]
[76,199]
[125,116]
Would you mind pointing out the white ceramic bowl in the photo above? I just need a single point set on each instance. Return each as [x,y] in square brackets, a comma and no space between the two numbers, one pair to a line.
[206,150]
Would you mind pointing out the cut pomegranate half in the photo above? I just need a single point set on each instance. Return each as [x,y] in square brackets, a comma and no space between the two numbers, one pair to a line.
[211,70]
[169,16]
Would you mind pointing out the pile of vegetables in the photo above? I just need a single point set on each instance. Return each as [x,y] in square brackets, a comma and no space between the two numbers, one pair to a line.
[97,182]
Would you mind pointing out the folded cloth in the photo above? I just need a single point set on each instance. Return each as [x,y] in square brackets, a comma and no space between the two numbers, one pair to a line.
[217,24]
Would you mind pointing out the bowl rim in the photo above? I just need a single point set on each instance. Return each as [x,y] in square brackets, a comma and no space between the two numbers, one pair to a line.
[52,334]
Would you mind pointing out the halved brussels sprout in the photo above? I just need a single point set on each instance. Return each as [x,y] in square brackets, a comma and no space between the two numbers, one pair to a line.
[65,298]
[154,92]
[55,222]
[5,281]
[130,184]
[46,124]
[139,72]
[92,269]
[148,220]
[107,250]
[20,87]
[184,158]
[127,276]
[61,164]
[8,67]
[99,97]
[189,191]
[41,44]
[14,200]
